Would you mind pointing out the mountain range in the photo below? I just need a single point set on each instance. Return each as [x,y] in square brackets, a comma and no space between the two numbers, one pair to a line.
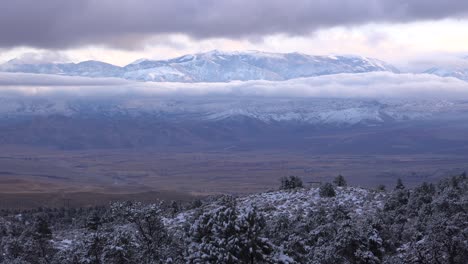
[244,122]
[213,66]
[140,119]
[308,111]
[458,71]
[218,66]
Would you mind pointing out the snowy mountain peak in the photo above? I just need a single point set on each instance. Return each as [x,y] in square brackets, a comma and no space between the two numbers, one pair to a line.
[214,52]
[138,61]
[92,62]
[221,66]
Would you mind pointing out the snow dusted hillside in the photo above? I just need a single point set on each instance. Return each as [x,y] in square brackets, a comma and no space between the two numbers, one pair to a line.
[213,66]
[213,109]
[425,224]
[296,203]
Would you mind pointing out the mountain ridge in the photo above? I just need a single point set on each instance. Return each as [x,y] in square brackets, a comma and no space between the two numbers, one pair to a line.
[458,69]
[213,66]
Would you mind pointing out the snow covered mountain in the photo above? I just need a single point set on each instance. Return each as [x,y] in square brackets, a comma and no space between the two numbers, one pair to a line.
[457,69]
[216,66]
[456,72]
[320,125]
[332,112]
[85,68]
[213,66]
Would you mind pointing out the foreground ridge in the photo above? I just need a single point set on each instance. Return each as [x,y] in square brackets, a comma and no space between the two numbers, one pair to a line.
[326,224]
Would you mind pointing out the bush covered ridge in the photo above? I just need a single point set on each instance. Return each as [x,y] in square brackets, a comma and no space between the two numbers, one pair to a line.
[426,224]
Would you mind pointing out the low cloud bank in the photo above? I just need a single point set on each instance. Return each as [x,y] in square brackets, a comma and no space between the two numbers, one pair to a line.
[365,85]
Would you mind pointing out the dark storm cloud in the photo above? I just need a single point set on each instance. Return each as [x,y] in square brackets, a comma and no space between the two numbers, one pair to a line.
[59,23]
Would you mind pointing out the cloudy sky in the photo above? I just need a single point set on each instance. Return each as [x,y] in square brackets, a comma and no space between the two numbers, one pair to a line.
[409,33]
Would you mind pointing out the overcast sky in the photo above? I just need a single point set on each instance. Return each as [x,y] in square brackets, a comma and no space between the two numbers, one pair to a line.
[409,33]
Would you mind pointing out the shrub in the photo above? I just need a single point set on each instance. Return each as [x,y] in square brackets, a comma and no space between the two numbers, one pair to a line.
[340,181]
[381,187]
[291,182]
[327,190]
[399,185]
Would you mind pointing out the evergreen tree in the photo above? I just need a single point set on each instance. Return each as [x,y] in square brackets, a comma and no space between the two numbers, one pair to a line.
[340,181]
[381,187]
[291,182]
[93,222]
[327,190]
[41,229]
[213,237]
[225,235]
[121,248]
[151,233]
[399,185]
[254,247]
[40,246]
[175,208]
[93,248]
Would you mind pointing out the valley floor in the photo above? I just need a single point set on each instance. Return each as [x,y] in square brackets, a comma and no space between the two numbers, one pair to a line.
[31,176]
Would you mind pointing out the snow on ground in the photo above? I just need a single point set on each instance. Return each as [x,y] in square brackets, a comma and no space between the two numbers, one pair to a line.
[295,202]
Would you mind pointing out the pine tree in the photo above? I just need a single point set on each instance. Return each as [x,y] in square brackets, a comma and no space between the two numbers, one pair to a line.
[399,185]
[254,247]
[291,182]
[340,181]
[175,208]
[93,222]
[121,248]
[151,233]
[41,229]
[94,247]
[41,246]
[225,235]
[213,237]
[327,190]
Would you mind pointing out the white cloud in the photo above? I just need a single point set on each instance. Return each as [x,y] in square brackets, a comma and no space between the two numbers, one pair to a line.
[367,85]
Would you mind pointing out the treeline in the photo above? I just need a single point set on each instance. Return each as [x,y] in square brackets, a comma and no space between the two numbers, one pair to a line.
[426,224]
